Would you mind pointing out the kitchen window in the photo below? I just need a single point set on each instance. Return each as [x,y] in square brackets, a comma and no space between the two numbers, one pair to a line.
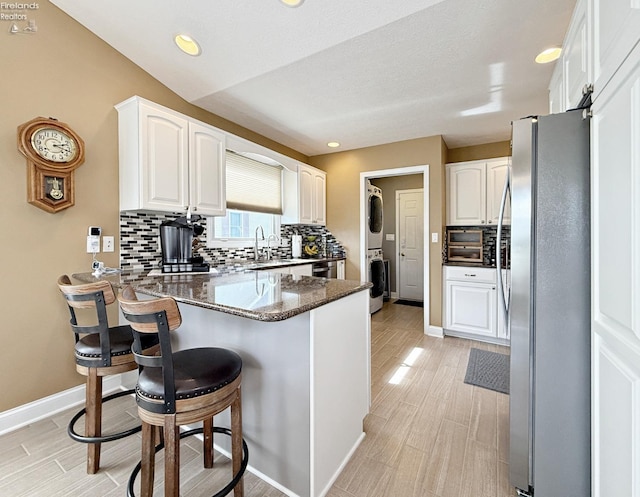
[254,198]
[238,228]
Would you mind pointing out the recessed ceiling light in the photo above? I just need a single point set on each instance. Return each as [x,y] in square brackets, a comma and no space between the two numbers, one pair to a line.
[292,3]
[333,144]
[187,44]
[548,55]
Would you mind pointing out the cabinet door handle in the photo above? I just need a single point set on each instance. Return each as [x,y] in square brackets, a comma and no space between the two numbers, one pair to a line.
[466,274]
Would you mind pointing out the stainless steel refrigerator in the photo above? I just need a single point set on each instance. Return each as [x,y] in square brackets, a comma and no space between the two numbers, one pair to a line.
[548,312]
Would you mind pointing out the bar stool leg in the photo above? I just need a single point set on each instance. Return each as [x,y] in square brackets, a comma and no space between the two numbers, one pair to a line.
[171,456]
[93,420]
[207,446]
[148,460]
[236,442]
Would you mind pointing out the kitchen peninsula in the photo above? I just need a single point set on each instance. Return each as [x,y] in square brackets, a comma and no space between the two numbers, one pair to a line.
[305,346]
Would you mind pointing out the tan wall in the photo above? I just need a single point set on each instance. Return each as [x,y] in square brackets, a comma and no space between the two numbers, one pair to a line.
[478,152]
[343,198]
[62,71]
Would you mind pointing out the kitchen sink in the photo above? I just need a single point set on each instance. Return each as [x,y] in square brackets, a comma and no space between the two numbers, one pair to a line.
[271,263]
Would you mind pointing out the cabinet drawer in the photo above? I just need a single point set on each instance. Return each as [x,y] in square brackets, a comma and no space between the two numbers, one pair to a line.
[464,273]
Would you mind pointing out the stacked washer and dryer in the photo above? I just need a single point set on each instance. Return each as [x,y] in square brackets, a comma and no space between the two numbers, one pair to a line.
[375,261]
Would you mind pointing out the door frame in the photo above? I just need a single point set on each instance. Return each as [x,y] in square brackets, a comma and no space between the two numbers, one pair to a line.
[397,223]
[399,171]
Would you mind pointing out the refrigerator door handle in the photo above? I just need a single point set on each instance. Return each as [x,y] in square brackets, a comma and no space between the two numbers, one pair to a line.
[504,299]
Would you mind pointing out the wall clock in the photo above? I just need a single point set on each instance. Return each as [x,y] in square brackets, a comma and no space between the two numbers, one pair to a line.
[53,151]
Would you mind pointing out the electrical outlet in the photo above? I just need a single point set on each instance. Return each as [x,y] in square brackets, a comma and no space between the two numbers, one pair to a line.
[107,244]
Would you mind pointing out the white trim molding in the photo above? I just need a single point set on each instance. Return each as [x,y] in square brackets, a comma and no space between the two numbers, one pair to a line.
[27,414]
[435,331]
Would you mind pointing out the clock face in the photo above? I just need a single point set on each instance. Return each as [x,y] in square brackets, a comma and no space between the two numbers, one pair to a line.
[54,145]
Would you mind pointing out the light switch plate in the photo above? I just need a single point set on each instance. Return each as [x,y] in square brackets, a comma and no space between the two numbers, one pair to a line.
[434,237]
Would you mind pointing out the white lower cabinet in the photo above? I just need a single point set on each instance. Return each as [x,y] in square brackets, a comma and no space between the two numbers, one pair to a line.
[297,270]
[471,304]
[301,270]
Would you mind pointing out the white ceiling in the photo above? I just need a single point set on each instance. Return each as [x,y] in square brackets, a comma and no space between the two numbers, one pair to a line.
[362,72]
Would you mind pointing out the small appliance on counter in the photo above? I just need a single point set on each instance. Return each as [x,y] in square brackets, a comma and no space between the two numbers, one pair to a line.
[176,241]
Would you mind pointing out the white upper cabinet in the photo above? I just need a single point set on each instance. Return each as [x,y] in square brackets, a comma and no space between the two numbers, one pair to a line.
[319,212]
[466,188]
[615,28]
[575,57]
[496,178]
[168,161]
[474,192]
[206,170]
[305,200]
[556,91]
[572,73]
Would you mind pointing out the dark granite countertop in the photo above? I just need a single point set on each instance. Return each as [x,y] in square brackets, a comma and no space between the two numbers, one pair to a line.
[260,295]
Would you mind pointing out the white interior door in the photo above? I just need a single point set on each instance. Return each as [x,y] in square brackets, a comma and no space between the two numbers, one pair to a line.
[410,220]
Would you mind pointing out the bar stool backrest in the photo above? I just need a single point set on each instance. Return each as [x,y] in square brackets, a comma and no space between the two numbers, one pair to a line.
[160,316]
[90,296]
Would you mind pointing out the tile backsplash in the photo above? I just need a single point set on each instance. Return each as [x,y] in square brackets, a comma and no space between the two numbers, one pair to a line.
[140,242]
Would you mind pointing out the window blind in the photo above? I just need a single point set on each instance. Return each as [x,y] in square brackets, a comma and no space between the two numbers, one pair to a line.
[253,185]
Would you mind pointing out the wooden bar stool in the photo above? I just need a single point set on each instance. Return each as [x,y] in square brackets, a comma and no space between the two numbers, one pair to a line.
[100,350]
[179,388]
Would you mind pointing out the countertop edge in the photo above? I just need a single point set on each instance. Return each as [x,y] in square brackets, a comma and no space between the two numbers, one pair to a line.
[267,316]
[256,315]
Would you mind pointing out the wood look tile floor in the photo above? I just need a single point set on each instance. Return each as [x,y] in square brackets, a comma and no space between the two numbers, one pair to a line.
[428,433]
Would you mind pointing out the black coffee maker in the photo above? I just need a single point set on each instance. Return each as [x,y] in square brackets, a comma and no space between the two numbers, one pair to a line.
[176,241]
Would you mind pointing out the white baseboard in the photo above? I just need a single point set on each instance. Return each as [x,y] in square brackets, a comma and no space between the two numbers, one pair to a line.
[251,469]
[26,414]
[333,479]
[284,489]
[435,331]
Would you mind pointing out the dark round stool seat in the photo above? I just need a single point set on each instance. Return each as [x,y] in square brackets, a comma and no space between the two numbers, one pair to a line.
[121,339]
[196,372]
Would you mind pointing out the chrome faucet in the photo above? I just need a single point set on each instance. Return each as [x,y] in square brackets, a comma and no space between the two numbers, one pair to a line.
[257,254]
[275,238]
